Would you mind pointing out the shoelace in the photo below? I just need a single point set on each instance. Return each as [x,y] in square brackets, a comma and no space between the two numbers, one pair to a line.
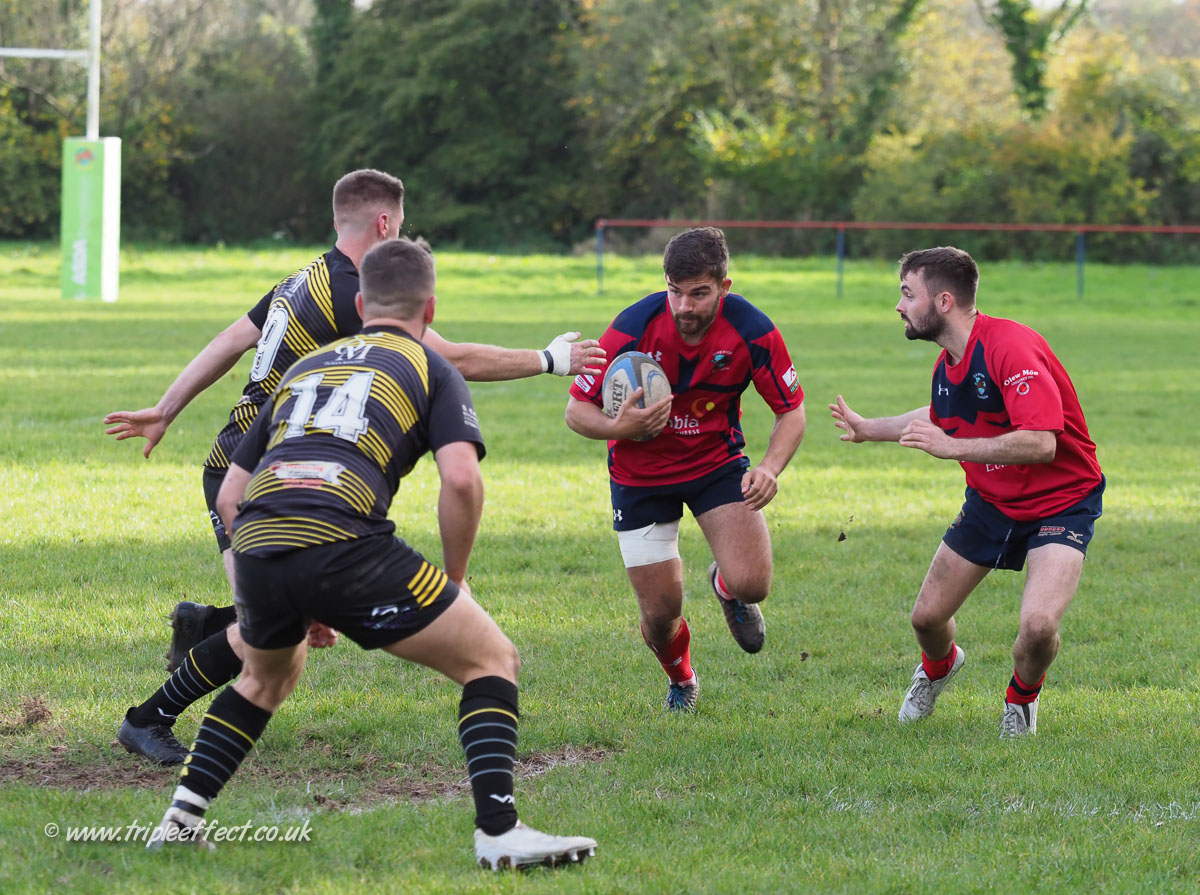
[1012,723]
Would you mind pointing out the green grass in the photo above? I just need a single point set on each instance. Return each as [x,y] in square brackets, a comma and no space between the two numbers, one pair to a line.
[793,776]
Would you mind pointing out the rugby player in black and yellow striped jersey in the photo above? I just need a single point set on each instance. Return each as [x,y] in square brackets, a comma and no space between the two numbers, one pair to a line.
[308,309]
[315,477]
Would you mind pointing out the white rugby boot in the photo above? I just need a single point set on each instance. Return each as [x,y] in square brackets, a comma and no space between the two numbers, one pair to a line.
[524,846]
[923,693]
[1018,720]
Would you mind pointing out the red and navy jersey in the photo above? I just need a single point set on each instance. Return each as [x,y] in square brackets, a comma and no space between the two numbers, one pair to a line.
[346,423]
[705,429]
[1009,379]
[311,308]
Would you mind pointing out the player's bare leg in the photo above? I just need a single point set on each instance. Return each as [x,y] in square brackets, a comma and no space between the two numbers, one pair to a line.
[467,646]
[947,584]
[659,590]
[741,575]
[1050,586]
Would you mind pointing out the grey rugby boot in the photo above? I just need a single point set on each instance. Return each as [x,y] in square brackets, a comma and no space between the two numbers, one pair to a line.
[923,693]
[1018,720]
[745,620]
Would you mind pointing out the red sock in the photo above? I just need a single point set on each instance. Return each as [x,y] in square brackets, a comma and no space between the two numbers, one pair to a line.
[722,590]
[938,668]
[676,656]
[1021,693]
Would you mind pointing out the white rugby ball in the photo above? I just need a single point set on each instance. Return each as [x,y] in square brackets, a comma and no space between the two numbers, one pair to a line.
[629,372]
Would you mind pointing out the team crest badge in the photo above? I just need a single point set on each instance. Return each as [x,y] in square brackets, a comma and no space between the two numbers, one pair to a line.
[720,359]
[981,384]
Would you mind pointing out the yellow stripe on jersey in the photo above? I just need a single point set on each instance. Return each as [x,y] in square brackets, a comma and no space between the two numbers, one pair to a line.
[409,349]
[296,336]
[319,287]
[290,531]
[375,447]
[243,414]
[216,457]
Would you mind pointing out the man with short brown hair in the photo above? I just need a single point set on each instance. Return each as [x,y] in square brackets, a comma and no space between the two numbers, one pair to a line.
[1004,407]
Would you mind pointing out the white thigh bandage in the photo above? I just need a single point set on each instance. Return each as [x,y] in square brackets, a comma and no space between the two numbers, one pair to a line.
[657,542]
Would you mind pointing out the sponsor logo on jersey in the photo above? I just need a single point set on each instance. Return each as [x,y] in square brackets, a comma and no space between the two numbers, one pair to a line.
[470,417]
[584,382]
[1075,537]
[684,425]
[791,380]
[701,406]
[352,351]
[1020,377]
[991,467]
[307,475]
[1051,531]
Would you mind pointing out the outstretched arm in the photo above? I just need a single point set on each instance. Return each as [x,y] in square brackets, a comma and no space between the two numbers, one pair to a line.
[1015,448]
[214,361]
[882,428]
[565,356]
[760,483]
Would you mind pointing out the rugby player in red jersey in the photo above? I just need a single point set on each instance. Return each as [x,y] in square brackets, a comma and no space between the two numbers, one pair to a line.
[1004,407]
[712,344]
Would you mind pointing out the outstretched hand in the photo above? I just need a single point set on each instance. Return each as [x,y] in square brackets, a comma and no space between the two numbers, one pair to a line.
[847,420]
[572,357]
[148,424]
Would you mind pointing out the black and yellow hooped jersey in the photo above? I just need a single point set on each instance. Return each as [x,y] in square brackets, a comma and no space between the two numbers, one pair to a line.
[344,425]
[311,308]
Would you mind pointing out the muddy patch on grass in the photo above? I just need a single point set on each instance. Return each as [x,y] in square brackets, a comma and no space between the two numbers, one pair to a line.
[30,714]
[370,781]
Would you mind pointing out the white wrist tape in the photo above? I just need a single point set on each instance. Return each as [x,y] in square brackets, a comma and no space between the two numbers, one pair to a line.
[556,358]
[657,542]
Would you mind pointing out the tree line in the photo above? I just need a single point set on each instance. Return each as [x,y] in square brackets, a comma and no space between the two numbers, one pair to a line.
[517,124]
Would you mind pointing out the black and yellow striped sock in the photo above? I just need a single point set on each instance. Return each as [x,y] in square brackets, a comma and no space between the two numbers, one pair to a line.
[210,664]
[231,727]
[487,729]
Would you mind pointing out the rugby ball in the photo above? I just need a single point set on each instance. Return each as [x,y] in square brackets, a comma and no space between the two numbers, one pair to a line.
[629,372]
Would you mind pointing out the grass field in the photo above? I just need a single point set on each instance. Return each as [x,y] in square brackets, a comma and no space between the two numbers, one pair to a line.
[792,777]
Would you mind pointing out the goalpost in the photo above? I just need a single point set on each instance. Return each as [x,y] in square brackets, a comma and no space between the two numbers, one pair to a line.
[91,184]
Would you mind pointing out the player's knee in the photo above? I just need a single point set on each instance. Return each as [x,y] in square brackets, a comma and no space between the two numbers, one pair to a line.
[1039,634]
[924,621]
[500,658]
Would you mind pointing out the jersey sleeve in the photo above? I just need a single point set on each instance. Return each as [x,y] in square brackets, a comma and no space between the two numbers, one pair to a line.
[258,313]
[774,375]
[452,414]
[1019,362]
[254,444]
[587,387]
